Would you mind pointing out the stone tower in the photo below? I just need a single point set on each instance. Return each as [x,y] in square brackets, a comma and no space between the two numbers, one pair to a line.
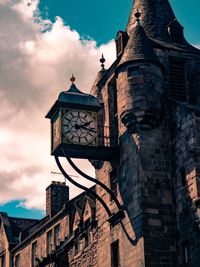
[151,100]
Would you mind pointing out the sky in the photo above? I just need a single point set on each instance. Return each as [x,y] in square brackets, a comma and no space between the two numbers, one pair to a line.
[41,45]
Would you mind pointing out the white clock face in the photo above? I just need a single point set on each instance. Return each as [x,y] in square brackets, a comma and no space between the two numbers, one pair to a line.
[79,127]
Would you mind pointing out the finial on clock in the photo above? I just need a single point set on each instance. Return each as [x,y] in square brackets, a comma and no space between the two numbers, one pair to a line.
[72,79]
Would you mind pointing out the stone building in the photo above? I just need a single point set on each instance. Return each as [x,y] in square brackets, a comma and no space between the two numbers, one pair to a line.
[150,97]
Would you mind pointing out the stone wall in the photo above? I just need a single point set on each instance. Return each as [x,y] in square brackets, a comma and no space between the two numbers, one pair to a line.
[25,250]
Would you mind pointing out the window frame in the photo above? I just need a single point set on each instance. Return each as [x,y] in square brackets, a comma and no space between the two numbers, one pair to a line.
[113,182]
[33,253]
[115,253]
[49,242]
[57,235]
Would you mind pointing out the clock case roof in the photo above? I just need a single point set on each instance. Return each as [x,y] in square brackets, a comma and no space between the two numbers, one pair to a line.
[74,98]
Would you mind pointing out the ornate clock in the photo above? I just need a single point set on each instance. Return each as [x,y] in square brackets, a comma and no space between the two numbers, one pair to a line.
[74,127]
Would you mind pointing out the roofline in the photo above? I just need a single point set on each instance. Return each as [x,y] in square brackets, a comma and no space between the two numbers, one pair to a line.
[22,218]
[51,221]
[108,72]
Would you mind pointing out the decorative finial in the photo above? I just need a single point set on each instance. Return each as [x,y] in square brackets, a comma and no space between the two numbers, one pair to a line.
[102,60]
[137,15]
[72,79]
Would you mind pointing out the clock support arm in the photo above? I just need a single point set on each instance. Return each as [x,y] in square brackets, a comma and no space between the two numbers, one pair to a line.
[88,190]
[107,189]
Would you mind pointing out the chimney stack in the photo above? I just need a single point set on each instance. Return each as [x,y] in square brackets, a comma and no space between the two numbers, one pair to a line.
[57,194]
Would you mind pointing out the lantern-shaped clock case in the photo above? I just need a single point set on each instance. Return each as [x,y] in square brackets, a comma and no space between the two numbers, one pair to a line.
[74,129]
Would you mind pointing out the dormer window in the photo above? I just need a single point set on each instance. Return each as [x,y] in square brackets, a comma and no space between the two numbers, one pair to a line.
[121,41]
[175,31]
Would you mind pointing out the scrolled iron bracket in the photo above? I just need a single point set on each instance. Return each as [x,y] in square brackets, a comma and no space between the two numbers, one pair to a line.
[94,180]
[113,218]
[88,190]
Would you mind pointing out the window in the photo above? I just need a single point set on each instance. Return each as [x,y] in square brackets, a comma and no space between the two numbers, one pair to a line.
[57,235]
[177,79]
[2,261]
[134,71]
[87,233]
[121,41]
[113,182]
[176,32]
[49,242]
[115,261]
[76,242]
[119,45]
[182,176]
[185,253]
[17,261]
[34,253]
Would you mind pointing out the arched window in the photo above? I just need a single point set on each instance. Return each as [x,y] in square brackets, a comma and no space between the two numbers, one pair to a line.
[182,176]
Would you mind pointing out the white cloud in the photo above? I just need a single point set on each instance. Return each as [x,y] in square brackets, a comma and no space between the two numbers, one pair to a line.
[35,67]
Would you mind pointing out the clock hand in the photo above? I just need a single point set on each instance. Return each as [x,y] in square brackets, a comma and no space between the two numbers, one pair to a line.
[82,125]
[86,124]
[89,129]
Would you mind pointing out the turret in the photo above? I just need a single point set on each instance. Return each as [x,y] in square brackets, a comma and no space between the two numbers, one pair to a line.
[155,17]
[139,81]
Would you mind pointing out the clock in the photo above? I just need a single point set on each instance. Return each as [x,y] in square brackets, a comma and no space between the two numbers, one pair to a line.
[80,127]
[56,132]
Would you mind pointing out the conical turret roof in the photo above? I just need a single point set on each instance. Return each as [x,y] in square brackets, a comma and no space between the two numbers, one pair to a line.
[156,15]
[139,46]
[94,89]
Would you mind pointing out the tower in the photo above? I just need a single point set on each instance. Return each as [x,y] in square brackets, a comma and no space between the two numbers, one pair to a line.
[150,96]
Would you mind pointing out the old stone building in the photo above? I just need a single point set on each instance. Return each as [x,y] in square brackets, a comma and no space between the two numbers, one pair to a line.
[150,113]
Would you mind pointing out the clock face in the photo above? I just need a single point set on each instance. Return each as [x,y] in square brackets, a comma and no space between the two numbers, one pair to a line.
[79,127]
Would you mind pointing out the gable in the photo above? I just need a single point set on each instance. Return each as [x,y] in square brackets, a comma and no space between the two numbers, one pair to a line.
[87,212]
[76,220]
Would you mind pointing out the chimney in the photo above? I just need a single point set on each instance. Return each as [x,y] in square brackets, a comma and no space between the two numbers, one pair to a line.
[57,194]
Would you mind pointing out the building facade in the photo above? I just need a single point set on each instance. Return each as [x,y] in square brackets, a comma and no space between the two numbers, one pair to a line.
[150,97]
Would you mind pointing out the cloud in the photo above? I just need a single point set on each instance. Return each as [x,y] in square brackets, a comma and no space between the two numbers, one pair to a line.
[35,66]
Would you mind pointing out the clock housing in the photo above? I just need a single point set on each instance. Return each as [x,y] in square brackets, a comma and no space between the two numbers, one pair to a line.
[75,131]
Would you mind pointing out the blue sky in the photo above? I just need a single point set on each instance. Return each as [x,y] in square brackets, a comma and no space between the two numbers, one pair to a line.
[14,208]
[24,175]
[101,19]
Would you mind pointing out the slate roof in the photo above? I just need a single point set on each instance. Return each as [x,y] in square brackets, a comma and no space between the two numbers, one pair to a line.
[73,97]
[94,89]
[14,226]
[155,16]
[139,46]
